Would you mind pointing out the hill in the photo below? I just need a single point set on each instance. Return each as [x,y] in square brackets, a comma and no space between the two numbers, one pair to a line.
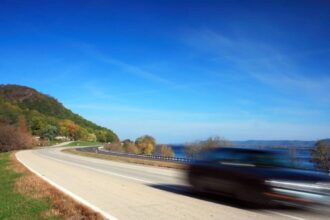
[46,117]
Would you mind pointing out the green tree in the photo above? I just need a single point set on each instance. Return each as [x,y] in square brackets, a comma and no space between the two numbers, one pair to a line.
[38,124]
[49,132]
[91,137]
[101,136]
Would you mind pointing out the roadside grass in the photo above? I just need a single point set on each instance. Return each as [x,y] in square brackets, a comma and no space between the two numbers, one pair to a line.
[14,205]
[128,159]
[54,142]
[83,143]
[23,195]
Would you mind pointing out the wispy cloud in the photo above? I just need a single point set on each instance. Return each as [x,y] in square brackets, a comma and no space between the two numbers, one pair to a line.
[142,73]
[126,67]
[261,61]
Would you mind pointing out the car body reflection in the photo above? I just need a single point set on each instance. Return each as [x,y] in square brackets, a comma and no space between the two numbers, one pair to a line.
[257,176]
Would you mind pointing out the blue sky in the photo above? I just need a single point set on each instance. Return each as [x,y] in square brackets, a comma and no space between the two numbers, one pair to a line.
[178,70]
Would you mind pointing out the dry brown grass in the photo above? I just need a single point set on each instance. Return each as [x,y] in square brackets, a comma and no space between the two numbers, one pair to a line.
[62,206]
[128,160]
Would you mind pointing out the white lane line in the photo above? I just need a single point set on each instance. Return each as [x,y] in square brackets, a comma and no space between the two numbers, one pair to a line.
[99,170]
[286,215]
[69,193]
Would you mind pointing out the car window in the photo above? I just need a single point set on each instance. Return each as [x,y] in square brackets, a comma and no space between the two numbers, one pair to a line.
[252,157]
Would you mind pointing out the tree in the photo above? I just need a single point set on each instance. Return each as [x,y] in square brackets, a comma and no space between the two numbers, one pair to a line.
[69,129]
[321,155]
[49,132]
[101,136]
[37,124]
[82,134]
[13,138]
[166,151]
[9,113]
[21,124]
[196,147]
[116,146]
[132,148]
[146,144]
[126,143]
[110,136]
[91,137]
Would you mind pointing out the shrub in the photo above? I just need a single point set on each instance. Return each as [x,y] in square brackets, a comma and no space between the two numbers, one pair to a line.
[166,151]
[116,146]
[13,138]
[132,149]
[196,147]
[321,155]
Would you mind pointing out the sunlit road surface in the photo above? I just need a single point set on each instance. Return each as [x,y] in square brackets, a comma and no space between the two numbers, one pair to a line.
[129,191]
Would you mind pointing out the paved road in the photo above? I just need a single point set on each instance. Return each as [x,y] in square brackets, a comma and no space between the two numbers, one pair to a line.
[128,191]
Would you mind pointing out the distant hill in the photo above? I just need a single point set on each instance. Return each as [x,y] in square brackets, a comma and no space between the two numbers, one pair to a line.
[274,143]
[47,117]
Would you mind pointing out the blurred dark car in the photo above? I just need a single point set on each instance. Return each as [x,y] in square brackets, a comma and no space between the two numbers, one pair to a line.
[257,176]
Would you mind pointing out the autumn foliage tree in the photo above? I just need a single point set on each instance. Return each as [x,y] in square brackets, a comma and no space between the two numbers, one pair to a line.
[130,147]
[146,144]
[69,129]
[14,137]
[116,146]
[321,155]
[166,151]
[194,148]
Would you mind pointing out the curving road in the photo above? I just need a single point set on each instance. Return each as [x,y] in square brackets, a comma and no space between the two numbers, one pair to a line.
[129,191]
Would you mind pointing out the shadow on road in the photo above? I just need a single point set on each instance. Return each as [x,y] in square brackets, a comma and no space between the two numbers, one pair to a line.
[187,191]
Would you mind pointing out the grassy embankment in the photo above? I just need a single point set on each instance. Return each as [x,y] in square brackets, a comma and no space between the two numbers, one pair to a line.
[128,159]
[25,196]
[83,143]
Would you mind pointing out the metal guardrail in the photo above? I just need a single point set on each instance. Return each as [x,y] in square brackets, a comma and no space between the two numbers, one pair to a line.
[101,150]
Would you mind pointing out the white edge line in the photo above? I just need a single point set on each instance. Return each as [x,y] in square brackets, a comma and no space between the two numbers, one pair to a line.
[74,196]
[285,215]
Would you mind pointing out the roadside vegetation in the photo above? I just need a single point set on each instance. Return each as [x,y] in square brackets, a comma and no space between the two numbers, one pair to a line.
[320,155]
[194,148]
[83,143]
[13,137]
[29,119]
[25,196]
[145,145]
[166,151]
[156,163]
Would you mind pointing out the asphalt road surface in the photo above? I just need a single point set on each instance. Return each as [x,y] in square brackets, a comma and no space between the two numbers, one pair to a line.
[129,191]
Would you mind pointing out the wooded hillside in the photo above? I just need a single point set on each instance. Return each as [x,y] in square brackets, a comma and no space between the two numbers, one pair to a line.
[46,117]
